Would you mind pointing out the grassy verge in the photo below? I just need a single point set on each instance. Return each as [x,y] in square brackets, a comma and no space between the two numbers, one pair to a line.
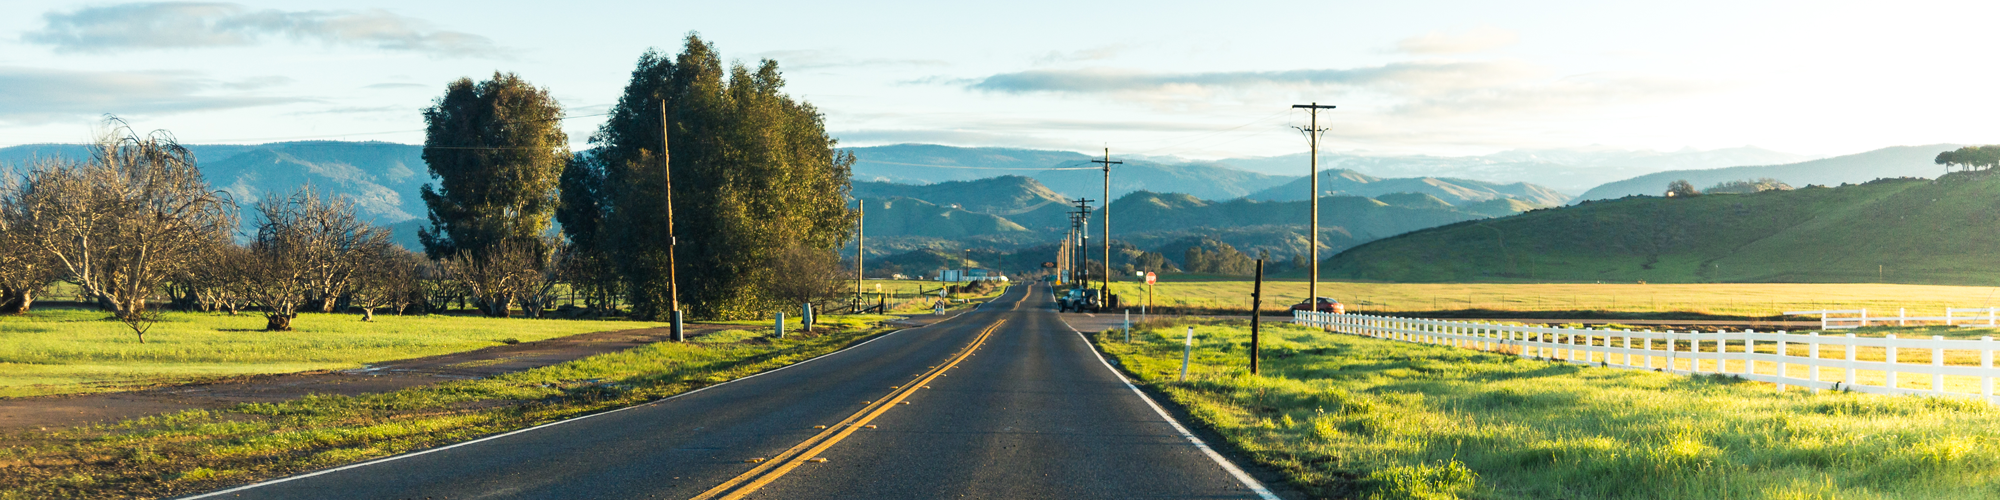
[1351,417]
[202,450]
[73,350]
[1714,299]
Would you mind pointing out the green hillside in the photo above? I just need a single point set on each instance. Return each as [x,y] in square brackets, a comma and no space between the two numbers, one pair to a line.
[1895,230]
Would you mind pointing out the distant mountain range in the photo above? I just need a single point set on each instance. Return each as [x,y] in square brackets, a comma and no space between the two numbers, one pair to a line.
[1566,170]
[1891,162]
[1452,191]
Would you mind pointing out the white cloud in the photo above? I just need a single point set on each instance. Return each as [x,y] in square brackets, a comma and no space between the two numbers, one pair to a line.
[141,26]
[1479,39]
[37,95]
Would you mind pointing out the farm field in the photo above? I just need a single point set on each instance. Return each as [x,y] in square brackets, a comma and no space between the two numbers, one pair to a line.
[76,350]
[1721,299]
[1351,417]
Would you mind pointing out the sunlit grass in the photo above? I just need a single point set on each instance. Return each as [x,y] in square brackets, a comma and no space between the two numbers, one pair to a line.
[1734,299]
[205,449]
[1346,416]
[73,350]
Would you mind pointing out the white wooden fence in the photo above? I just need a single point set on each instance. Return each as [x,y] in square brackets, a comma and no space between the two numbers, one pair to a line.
[1856,318]
[1726,353]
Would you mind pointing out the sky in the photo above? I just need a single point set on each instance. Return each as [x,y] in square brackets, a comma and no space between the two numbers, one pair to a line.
[1190,79]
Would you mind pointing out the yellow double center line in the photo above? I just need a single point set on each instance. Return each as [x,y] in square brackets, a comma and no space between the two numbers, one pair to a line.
[778,466]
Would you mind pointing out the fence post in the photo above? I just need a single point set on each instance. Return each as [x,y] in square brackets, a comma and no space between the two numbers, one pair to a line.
[1628,348]
[1891,372]
[1902,317]
[1864,317]
[1989,318]
[1649,351]
[1986,362]
[1671,364]
[1851,347]
[1812,366]
[1937,363]
[1750,364]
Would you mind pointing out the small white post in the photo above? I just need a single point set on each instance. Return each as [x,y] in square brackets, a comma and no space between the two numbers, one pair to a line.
[1750,364]
[1937,363]
[1128,325]
[1671,363]
[1891,375]
[1187,350]
[1989,318]
[1902,317]
[1864,317]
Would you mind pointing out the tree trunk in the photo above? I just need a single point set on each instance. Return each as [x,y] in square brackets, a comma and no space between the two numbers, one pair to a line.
[15,301]
[278,322]
[367,313]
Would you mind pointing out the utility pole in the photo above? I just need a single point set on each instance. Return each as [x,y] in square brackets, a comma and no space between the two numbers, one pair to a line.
[673,278]
[1104,288]
[860,250]
[1313,133]
[1082,224]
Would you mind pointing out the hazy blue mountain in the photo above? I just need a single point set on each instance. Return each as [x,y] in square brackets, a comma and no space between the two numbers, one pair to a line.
[1567,170]
[1203,180]
[1451,191]
[1004,196]
[927,163]
[930,163]
[1890,162]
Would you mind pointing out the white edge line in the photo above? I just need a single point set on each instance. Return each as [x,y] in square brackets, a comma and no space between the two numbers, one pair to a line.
[1244,477]
[564,421]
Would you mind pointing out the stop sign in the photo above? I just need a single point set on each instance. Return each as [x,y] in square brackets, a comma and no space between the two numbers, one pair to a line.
[1150,277]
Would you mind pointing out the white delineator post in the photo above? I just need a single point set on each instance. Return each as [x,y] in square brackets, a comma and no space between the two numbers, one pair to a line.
[1186,351]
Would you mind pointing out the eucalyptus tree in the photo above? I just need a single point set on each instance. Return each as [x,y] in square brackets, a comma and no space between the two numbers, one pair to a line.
[753,172]
[497,149]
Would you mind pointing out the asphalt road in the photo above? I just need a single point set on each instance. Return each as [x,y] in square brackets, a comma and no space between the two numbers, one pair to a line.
[1029,411]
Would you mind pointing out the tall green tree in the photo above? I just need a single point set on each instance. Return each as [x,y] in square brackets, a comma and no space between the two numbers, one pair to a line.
[754,172]
[497,149]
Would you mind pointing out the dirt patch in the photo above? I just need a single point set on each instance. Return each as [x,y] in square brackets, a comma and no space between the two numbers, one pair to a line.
[55,412]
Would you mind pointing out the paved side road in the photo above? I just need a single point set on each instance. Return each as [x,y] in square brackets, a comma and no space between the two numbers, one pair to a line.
[1003,402]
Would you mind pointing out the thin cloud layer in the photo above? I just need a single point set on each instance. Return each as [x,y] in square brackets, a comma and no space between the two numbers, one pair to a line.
[163,25]
[36,95]
[1478,39]
[1402,74]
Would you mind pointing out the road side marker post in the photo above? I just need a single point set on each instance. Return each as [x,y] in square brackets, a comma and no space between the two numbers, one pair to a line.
[780,326]
[1128,326]
[1186,351]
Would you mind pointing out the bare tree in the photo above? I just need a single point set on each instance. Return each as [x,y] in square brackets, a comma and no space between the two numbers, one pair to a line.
[307,247]
[508,273]
[800,274]
[25,269]
[127,220]
[389,279]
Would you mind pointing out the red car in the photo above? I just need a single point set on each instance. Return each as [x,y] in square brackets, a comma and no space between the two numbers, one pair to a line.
[1323,304]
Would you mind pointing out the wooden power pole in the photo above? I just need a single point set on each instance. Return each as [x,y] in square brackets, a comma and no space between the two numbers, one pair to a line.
[1104,288]
[860,250]
[673,277]
[1313,133]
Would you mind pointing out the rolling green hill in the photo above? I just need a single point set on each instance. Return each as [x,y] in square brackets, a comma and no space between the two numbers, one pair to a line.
[1906,230]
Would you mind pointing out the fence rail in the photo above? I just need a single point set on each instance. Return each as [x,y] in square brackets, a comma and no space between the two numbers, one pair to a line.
[1746,354]
[1857,318]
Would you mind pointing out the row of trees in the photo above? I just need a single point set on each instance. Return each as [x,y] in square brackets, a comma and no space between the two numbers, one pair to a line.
[1970,157]
[136,221]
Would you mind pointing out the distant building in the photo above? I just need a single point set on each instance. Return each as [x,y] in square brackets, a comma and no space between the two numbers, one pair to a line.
[961,275]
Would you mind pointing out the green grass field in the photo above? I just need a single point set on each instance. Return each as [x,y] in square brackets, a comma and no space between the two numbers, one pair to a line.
[199,450]
[1351,417]
[1726,299]
[74,350]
